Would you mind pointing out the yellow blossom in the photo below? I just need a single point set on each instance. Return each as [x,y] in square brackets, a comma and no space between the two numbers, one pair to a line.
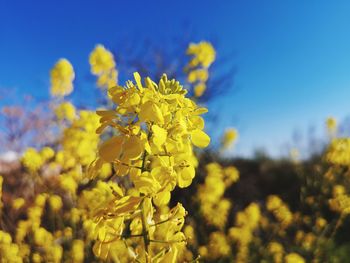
[203,54]
[62,76]
[103,66]
[331,124]
[229,137]
[293,258]
[32,159]
[65,111]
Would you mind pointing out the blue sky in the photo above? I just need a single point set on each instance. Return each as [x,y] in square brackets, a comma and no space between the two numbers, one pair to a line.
[293,57]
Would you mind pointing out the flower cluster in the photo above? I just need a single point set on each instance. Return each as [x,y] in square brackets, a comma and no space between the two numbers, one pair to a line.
[242,233]
[203,55]
[339,151]
[154,127]
[65,111]
[280,210]
[103,66]
[62,76]
[211,193]
[34,160]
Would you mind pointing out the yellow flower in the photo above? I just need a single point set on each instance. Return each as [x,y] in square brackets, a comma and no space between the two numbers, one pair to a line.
[65,111]
[273,202]
[47,153]
[276,249]
[321,222]
[338,190]
[55,202]
[199,89]
[155,128]
[230,136]
[293,258]
[79,141]
[218,245]
[68,183]
[203,54]
[32,160]
[103,66]
[331,124]
[338,151]
[200,75]
[62,76]
[78,251]
[18,203]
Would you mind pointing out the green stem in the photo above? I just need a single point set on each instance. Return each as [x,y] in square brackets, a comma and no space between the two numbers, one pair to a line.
[145,233]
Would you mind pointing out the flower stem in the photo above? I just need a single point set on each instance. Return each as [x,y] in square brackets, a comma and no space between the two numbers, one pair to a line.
[145,233]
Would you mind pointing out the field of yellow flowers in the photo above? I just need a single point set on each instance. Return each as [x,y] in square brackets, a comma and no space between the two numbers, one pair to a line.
[133,182]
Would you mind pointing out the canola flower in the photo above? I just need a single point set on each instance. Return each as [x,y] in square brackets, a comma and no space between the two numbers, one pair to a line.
[62,76]
[33,160]
[202,56]
[229,138]
[104,67]
[338,151]
[331,124]
[79,141]
[277,251]
[211,193]
[155,127]
[280,210]
[65,111]
[294,258]
[243,231]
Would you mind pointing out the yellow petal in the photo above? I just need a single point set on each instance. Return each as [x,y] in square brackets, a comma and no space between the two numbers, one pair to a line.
[159,135]
[197,122]
[146,183]
[151,112]
[111,149]
[126,205]
[199,89]
[94,168]
[185,176]
[200,138]
[133,148]
[162,198]
[200,111]
[101,249]
[138,80]
[134,99]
